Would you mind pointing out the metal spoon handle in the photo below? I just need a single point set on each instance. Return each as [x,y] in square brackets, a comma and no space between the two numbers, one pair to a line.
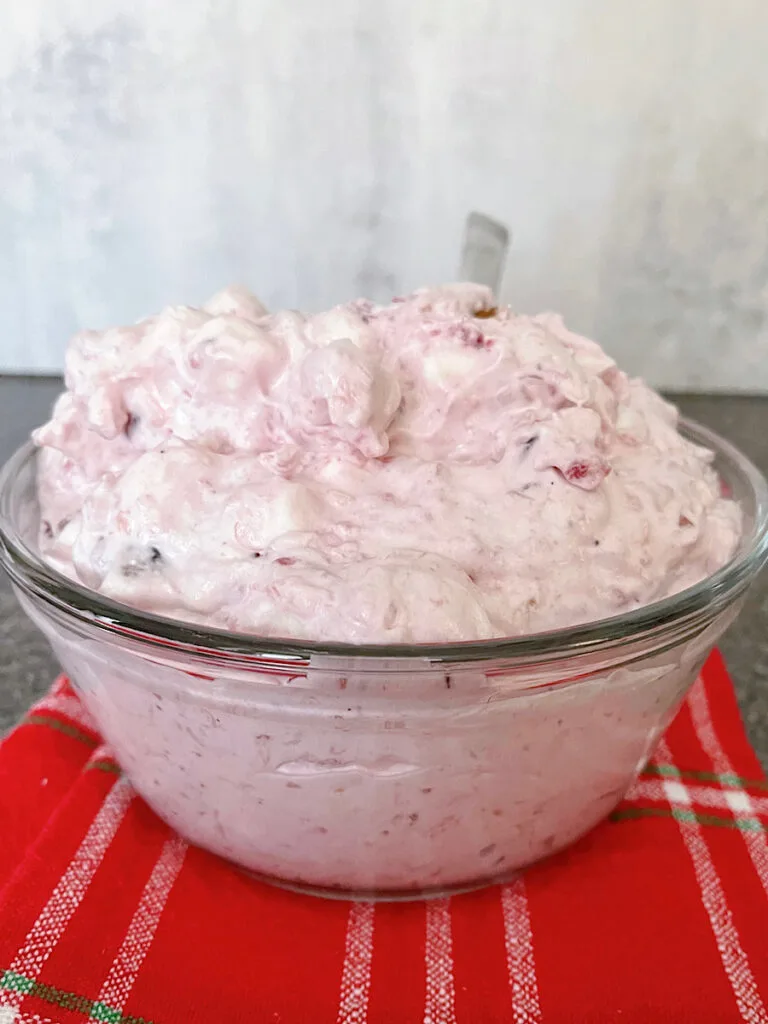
[484,251]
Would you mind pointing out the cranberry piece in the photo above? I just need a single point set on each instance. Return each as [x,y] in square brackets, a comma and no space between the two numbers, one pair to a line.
[576,472]
[585,473]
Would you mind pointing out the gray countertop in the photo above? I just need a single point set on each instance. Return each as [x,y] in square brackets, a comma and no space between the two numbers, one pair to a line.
[27,665]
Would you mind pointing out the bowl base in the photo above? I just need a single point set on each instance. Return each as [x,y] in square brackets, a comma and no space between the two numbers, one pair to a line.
[381,895]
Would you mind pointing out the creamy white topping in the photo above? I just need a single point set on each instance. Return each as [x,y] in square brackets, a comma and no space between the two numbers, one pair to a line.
[433,470]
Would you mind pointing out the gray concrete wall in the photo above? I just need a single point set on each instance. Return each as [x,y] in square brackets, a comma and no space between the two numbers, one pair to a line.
[151,152]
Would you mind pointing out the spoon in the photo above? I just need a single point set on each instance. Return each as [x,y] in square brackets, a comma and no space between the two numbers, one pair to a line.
[484,251]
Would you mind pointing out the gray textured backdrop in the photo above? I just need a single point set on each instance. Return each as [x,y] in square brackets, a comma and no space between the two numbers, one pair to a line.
[151,152]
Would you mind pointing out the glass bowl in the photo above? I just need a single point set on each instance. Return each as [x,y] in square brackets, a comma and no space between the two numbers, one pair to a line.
[373,771]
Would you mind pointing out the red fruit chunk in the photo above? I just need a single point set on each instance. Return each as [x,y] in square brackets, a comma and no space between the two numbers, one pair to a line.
[585,474]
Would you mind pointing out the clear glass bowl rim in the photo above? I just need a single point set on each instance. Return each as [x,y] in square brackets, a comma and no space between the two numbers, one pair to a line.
[28,571]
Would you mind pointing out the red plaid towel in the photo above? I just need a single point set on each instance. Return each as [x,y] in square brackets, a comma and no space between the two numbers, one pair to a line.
[660,914]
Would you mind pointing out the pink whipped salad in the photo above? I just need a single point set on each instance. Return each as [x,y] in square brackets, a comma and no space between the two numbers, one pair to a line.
[437,469]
